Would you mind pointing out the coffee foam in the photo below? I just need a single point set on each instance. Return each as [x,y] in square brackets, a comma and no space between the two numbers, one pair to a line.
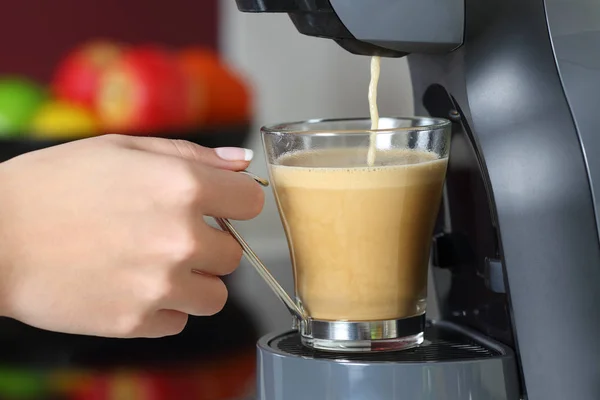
[346,168]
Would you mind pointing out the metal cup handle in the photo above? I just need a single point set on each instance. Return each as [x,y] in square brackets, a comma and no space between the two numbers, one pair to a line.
[257,263]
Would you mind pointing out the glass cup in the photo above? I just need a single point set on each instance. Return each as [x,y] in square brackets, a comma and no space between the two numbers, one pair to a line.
[358,208]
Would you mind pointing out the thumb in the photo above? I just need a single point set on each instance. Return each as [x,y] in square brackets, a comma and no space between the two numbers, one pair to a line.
[232,158]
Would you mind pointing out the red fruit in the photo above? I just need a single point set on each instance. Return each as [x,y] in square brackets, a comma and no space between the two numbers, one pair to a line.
[77,75]
[126,385]
[143,92]
[227,98]
[197,99]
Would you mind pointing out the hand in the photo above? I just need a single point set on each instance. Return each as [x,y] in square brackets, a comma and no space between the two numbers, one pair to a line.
[100,236]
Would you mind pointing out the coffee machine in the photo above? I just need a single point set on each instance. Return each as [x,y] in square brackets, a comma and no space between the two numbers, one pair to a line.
[516,254]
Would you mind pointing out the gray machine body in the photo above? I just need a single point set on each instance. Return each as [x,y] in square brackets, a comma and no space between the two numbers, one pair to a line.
[527,84]
[517,252]
[574,27]
[474,368]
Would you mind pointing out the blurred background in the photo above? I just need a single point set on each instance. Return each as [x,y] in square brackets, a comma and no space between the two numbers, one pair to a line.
[198,70]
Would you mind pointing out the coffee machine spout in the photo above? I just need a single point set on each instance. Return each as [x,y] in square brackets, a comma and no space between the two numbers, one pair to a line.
[357,25]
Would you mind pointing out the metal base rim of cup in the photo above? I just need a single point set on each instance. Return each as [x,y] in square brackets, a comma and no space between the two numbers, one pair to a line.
[363,336]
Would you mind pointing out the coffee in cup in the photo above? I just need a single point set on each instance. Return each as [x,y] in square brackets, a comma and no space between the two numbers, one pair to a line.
[359,235]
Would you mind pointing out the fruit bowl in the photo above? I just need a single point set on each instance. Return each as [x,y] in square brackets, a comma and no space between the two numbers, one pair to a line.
[222,136]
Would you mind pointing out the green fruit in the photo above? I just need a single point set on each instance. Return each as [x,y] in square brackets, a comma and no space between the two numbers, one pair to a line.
[21,385]
[19,100]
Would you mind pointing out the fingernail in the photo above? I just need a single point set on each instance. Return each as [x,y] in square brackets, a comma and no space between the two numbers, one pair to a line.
[234,153]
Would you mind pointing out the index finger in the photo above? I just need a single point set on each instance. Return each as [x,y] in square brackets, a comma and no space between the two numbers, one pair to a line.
[231,158]
[229,194]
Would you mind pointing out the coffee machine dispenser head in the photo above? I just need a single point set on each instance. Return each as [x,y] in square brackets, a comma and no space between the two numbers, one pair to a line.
[388,28]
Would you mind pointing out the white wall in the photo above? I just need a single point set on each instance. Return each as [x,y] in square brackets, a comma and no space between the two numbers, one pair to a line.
[295,77]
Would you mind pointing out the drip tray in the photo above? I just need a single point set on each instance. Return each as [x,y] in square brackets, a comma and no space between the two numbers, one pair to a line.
[453,363]
[442,343]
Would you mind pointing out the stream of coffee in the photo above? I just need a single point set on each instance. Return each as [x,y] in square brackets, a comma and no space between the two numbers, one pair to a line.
[373,110]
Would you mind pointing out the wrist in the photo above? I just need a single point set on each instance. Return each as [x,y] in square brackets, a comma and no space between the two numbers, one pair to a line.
[6,264]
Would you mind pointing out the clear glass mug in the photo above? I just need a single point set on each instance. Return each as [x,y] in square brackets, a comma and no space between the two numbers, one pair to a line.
[358,209]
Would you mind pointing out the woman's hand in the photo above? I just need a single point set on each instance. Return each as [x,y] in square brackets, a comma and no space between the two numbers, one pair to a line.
[100,236]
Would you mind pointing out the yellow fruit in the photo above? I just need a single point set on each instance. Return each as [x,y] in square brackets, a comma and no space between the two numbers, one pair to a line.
[62,120]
